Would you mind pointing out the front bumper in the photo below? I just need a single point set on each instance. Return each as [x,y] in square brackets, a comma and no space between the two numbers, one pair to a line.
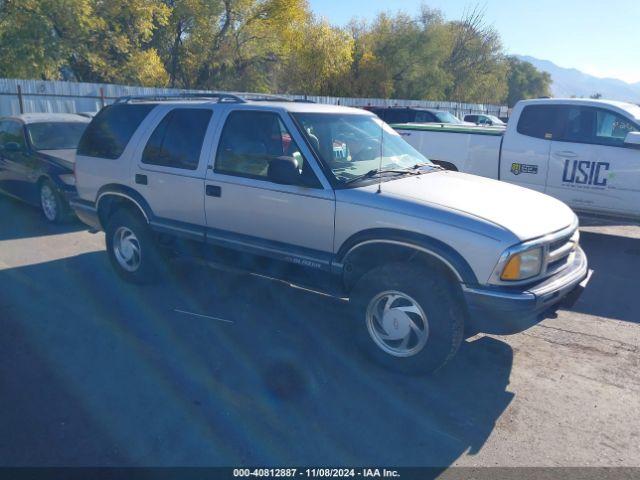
[503,311]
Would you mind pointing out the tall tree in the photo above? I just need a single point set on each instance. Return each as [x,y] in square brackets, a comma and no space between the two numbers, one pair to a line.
[319,61]
[525,81]
[475,62]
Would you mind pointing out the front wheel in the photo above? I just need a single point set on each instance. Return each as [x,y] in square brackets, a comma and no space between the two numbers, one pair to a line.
[52,205]
[408,317]
[131,247]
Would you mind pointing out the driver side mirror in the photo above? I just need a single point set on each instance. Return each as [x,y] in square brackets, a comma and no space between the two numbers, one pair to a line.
[284,170]
[632,139]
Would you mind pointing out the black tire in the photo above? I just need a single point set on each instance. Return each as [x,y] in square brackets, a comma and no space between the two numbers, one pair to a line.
[147,268]
[436,296]
[57,211]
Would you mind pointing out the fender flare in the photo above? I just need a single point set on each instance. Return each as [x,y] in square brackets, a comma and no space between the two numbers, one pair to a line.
[437,249]
[114,189]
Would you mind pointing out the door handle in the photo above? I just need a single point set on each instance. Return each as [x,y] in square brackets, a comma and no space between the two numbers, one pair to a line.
[214,191]
[566,154]
[141,179]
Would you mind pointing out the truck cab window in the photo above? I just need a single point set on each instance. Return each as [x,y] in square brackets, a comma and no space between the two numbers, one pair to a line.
[540,121]
[612,129]
[595,126]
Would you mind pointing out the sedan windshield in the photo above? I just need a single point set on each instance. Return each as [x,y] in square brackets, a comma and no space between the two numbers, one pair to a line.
[55,135]
[353,145]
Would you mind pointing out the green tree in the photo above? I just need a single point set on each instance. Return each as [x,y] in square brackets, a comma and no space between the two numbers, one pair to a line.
[475,61]
[88,40]
[525,81]
[319,60]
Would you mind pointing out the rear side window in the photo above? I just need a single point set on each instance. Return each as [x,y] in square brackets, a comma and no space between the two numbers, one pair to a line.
[12,132]
[539,121]
[425,117]
[110,131]
[400,116]
[177,140]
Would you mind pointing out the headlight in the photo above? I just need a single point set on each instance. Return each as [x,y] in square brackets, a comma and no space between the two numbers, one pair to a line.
[523,265]
[68,178]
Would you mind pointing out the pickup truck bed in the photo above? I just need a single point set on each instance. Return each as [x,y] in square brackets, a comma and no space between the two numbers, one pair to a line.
[467,149]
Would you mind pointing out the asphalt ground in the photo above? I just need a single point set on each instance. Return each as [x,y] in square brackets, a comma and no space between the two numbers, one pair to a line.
[210,368]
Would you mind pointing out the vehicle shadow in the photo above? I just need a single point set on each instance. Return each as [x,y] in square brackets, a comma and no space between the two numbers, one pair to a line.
[19,220]
[269,376]
[612,290]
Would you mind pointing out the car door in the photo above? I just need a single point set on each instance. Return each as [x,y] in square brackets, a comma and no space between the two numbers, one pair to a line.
[170,168]
[591,168]
[525,147]
[4,173]
[246,210]
[17,169]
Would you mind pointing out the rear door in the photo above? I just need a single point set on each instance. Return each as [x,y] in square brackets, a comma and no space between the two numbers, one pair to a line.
[591,168]
[170,168]
[246,210]
[525,149]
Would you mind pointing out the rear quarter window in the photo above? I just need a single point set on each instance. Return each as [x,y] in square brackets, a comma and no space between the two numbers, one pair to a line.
[110,131]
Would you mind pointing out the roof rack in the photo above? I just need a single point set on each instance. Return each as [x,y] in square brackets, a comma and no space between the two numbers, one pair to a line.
[264,97]
[220,96]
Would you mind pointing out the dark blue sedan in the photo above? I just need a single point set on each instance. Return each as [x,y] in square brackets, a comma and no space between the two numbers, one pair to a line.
[37,153]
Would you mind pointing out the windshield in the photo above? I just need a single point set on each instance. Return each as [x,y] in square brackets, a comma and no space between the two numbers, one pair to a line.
[351,145]
[495,120]
[446,117]
[55,135]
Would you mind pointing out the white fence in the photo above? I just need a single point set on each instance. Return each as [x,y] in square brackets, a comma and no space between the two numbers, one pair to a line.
[29,96]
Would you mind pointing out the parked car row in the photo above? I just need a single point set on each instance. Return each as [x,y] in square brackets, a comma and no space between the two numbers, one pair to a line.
[416,115]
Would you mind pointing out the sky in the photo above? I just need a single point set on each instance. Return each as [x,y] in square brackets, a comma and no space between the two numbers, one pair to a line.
[596,37]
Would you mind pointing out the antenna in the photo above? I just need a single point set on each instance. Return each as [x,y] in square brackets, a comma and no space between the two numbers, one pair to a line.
[381,153]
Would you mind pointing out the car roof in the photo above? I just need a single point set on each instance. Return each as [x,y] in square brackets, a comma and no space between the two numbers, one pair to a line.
[289,106]
[420,109]
[623,107]
[28,118]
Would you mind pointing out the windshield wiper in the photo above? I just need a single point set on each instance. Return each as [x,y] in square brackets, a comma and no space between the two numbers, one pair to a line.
[373,173]
[433,166]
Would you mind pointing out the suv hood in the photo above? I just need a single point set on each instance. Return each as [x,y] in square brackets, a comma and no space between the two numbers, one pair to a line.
[526,213]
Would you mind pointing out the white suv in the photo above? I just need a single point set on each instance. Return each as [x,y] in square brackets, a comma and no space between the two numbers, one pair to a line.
[331,198]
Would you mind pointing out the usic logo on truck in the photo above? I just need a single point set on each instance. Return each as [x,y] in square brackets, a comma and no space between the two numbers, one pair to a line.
[583,172]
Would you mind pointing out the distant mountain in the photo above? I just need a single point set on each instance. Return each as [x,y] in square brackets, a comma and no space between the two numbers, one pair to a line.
[568,82]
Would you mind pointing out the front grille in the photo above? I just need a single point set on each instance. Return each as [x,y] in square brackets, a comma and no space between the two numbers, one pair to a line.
[559,252]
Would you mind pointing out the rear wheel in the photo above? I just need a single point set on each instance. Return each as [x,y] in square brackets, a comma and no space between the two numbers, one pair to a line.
[408,317]
[131,247]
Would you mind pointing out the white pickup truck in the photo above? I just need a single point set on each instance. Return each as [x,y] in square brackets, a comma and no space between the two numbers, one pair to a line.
[583,152]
